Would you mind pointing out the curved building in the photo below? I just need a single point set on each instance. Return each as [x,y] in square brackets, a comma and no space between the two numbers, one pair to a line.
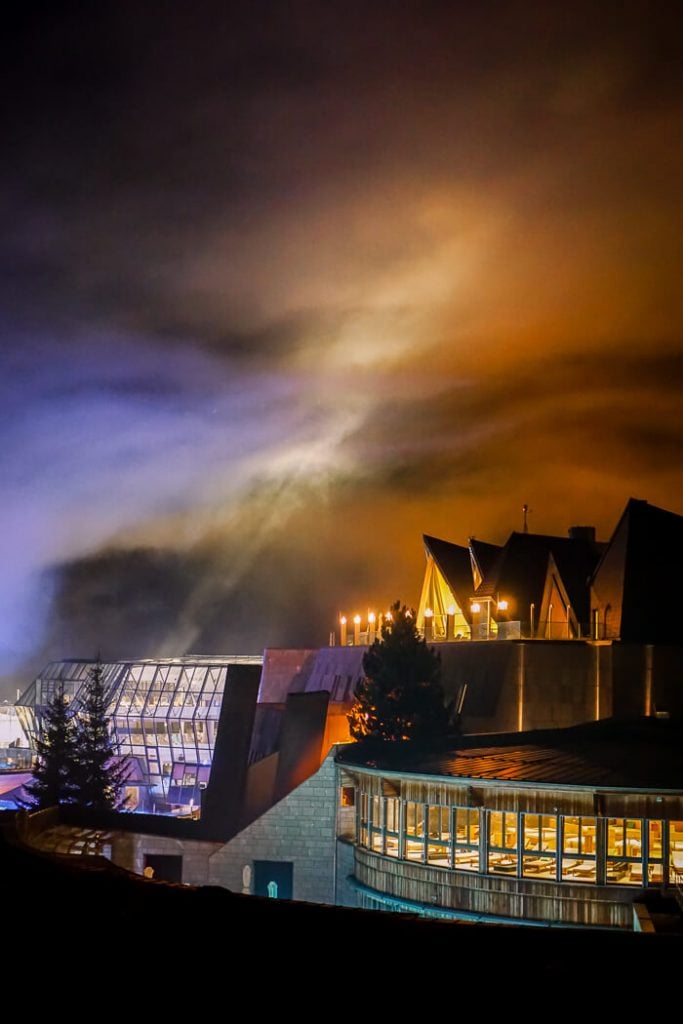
[568,826]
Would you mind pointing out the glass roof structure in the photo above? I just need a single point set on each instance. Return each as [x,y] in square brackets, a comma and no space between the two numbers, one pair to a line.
[164,715]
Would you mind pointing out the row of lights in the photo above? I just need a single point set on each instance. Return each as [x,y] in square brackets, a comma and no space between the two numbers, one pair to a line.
[373,625]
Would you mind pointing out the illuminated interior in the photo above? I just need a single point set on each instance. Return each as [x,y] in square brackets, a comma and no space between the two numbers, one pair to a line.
[437,598]
[164,715]
[562,848]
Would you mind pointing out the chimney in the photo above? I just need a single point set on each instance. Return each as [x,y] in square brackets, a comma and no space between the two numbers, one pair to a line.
[586,533]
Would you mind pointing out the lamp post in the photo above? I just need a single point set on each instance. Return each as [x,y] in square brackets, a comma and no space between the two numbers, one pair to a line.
[450,622]
[356,630]
[342,630]
[475,608]
[371,627]
[429,623]
[531,617]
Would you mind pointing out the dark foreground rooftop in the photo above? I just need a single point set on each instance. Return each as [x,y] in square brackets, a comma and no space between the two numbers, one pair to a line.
[644,753]
[85,935]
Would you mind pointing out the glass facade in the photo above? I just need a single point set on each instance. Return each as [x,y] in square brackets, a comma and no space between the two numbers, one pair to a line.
[613,851]
[164,715]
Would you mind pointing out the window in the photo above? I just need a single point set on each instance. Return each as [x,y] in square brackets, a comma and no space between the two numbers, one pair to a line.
[578,849]
[376,824]
[392,812]
[624,851]
[348,796]
[676,852]
[415,831]
[466,839]
[363,820]
[655,866]
[439,838]
[503,842]
[540,845]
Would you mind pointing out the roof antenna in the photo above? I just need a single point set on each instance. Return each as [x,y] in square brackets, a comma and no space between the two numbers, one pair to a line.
[526,510]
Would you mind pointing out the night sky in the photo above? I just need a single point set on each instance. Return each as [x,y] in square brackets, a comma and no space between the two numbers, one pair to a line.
[286,285]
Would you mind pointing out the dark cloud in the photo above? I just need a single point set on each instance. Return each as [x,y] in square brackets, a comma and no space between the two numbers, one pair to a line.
[278,274]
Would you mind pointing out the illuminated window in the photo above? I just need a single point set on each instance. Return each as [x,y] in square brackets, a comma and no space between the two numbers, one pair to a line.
[376,824]
[676,852]
[466,839]
[578,849]
[415,831]
[624,851]
[348,796]
[363,820]
[502,857]
[655,866]
[439,838]
[540,845]
[392,817]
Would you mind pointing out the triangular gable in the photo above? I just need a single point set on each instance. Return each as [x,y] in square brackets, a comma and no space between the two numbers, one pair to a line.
[557,618]
[446,589]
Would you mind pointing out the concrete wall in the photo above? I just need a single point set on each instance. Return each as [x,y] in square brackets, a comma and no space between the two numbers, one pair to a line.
[301,828]
[517,684]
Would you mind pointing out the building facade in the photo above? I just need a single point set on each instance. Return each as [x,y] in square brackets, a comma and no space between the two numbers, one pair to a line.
[567,829]
[164,716]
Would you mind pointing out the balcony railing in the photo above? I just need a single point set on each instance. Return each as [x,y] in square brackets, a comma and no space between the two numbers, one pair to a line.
[441,629]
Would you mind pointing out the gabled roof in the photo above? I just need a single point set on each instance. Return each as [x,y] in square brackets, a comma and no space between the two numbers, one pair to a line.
[485,554]
[576,565]
[455,565]
[638,576]
[521,567]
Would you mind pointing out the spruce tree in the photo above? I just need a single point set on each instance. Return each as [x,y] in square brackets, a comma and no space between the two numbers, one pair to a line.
[55,770]
[400,697]
[101,774]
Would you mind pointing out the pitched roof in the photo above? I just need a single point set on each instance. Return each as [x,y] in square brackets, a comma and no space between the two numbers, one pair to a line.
[521,567]
[455,565]
[640,570]
[485,554]
[642,753]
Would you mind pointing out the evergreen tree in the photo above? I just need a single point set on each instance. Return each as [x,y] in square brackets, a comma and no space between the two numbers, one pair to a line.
[101,774]
[55,771]
[401,697]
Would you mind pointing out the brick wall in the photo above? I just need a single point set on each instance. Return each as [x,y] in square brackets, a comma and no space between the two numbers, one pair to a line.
[301,829]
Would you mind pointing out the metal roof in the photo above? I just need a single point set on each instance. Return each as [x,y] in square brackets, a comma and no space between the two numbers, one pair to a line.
[640,754]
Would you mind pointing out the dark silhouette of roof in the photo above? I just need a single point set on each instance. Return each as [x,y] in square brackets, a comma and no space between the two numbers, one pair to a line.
[630,754]
[485,554]
[636,583]
[522,564]
[79,922]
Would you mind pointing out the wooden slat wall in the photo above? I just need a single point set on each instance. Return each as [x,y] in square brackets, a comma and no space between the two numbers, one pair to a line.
[508,897]
[543,800]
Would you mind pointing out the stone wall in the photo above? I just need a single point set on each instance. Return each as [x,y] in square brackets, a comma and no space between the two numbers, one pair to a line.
[300,829]
[129,850]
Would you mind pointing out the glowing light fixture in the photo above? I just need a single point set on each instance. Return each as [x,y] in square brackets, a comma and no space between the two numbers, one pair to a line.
[451,609]
[356,619]
[476,607]
[343,620]
[428,613]
[502,606]
[371,617]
